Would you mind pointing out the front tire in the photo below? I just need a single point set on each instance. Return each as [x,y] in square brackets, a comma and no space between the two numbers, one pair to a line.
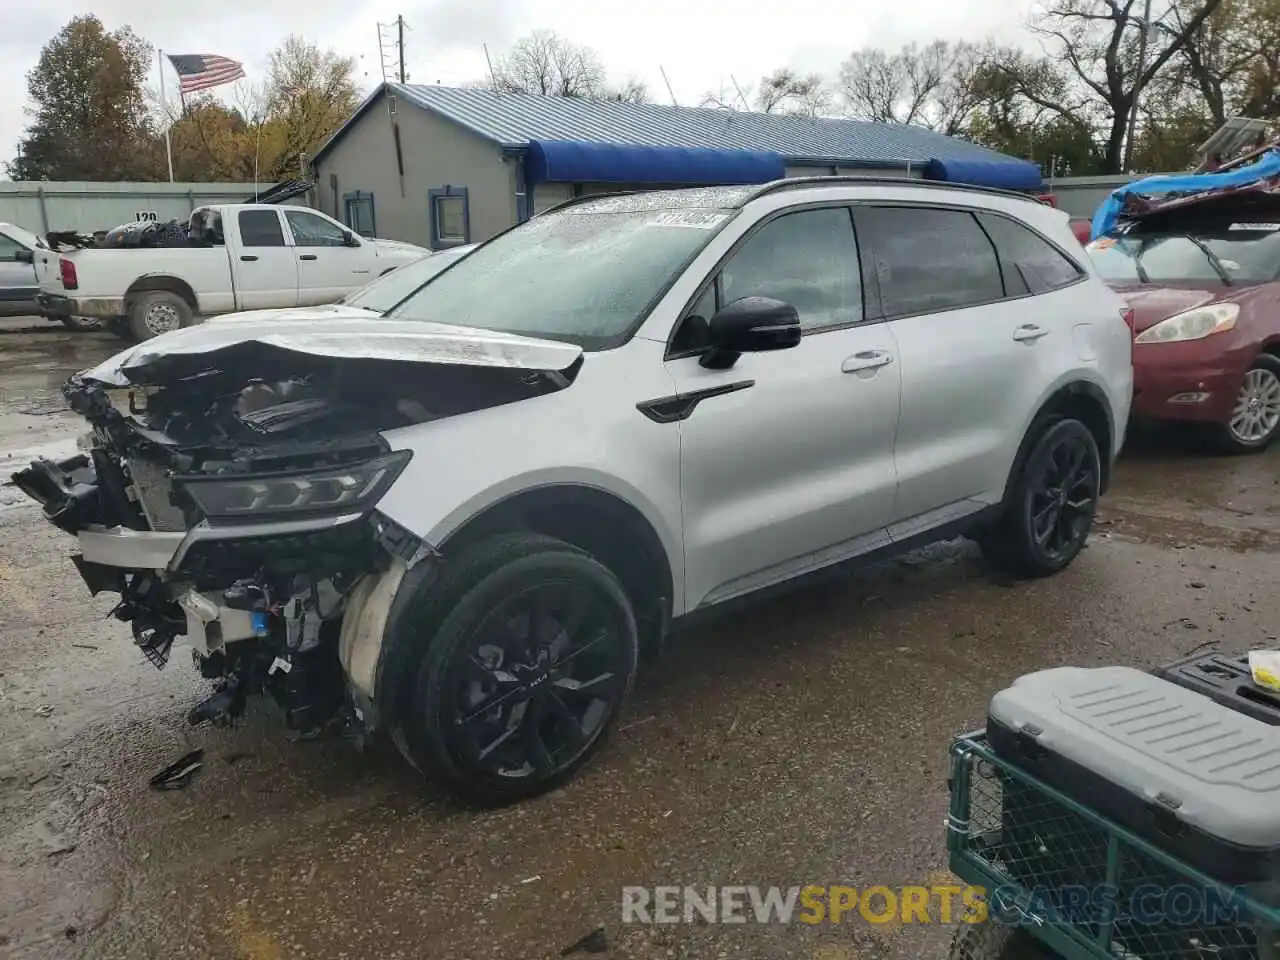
[154,312]
[1051,506]
[1255,418]
[526,651]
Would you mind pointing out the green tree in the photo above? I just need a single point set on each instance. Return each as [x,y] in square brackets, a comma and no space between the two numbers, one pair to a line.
[89,113]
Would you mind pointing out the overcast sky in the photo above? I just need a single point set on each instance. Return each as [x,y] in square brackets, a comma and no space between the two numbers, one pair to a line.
[700,43]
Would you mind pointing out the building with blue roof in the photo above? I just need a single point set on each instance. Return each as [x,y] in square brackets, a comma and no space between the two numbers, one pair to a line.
[441,166]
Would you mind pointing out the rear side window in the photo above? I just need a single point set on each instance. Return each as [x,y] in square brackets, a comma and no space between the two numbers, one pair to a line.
[260,228]
[928,261]
[1030,263]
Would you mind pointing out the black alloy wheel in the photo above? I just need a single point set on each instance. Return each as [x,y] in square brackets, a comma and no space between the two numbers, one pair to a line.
[537,681]
[527,650]
[1052,505]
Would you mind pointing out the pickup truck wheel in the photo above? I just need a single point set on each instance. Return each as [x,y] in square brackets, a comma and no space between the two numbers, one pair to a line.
[157,311]
[1051,505]
[81,324]
[527,651]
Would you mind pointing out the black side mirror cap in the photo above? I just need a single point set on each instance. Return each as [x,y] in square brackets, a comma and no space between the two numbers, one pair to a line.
[750,325]
[350,240]
[23,255]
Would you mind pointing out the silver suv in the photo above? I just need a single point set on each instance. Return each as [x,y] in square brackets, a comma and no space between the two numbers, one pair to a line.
[460,521]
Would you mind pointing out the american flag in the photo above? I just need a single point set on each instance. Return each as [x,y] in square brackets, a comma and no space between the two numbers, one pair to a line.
[200,71]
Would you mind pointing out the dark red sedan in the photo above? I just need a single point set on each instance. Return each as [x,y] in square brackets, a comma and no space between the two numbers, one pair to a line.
[1205,294]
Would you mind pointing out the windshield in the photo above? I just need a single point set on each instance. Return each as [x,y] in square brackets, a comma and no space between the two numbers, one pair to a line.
[385,292]
[1239,253]
[586,274]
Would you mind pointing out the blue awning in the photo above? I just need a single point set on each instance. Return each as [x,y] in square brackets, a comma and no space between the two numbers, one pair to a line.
[1008,174]
[572,161]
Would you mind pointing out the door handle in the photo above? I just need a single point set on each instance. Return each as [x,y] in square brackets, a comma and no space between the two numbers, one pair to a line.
[1029,332]
[866,360]
[248,257]
[307,256]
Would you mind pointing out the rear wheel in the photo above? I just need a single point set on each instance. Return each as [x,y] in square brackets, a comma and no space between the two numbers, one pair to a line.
[526,652]
[154,312]
[1255,418]
[1050,509]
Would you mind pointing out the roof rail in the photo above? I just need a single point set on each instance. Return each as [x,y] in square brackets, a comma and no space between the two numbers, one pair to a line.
[791,183]
[794,182]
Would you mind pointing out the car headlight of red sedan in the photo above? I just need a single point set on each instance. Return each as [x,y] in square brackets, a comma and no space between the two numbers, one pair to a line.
[1194,324]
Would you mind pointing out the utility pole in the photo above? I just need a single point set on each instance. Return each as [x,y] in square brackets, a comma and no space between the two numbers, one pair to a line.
[391,50]
[400,43]
[1137,88]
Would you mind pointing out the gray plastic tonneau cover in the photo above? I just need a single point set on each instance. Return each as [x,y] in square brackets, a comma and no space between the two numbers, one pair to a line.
[1152,738]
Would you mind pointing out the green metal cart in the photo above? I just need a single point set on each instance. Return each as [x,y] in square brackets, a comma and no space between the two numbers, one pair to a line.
[1062,881]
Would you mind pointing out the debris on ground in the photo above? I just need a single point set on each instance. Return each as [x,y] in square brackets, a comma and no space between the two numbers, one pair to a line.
[178,774]
[44,710]
[593,942]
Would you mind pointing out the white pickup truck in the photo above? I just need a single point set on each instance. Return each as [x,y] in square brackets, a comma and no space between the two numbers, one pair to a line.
[239,257]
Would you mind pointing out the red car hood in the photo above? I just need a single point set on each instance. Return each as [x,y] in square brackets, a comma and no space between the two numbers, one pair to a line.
[1151,304]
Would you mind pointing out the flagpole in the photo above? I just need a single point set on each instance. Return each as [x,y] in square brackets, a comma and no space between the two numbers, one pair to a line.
[168,143]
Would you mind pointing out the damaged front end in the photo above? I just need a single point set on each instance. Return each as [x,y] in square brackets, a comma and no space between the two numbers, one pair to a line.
[228,494]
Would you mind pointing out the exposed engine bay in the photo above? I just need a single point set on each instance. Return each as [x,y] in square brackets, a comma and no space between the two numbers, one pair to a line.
[229,496]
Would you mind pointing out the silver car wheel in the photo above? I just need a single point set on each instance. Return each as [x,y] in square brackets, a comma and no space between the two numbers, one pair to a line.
[161,318]
[1257,411]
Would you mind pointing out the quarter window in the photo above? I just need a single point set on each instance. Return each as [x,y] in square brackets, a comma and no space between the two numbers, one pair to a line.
[1029,263]
[808,259]
[929,261]
[260,228]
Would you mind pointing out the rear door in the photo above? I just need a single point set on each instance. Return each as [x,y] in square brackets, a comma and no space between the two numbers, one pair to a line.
[328,269]
[264,267]
[977,347]
[787,456]
[17,277]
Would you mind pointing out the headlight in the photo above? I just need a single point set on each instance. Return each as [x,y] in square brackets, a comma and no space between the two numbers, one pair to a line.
[349,488]
[1194,324]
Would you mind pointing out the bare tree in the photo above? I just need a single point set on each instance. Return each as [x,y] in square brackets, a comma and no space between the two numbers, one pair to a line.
[1101,46]
[932,86]
[630,90]
[546,63]
[728,96]
[785,91]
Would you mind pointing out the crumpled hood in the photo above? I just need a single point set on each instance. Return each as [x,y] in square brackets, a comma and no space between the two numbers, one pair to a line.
[324,311]
[322,333]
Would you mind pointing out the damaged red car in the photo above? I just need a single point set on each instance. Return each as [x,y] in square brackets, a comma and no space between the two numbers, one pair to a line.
[1203,282]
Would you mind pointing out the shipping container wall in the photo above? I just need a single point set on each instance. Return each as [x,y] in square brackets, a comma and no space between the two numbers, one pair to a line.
[86,207]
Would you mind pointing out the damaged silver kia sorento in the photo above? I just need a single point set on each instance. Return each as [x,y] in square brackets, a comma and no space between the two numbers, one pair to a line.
[460,521]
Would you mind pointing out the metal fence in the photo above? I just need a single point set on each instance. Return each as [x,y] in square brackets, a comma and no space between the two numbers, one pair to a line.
[86,207]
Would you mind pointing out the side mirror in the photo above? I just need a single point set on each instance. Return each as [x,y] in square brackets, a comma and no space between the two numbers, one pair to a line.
[750,325]
[349,239]
[23,255]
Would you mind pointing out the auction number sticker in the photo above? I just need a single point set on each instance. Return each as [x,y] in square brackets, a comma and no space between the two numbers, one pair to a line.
[1102,243]
[698,219]
[1265,227]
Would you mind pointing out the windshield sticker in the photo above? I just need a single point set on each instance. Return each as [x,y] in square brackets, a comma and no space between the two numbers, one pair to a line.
[698,219]
[1265,227]
[1102,243]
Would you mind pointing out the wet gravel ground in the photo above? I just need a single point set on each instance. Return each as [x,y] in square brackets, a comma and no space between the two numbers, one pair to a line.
[801,742]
